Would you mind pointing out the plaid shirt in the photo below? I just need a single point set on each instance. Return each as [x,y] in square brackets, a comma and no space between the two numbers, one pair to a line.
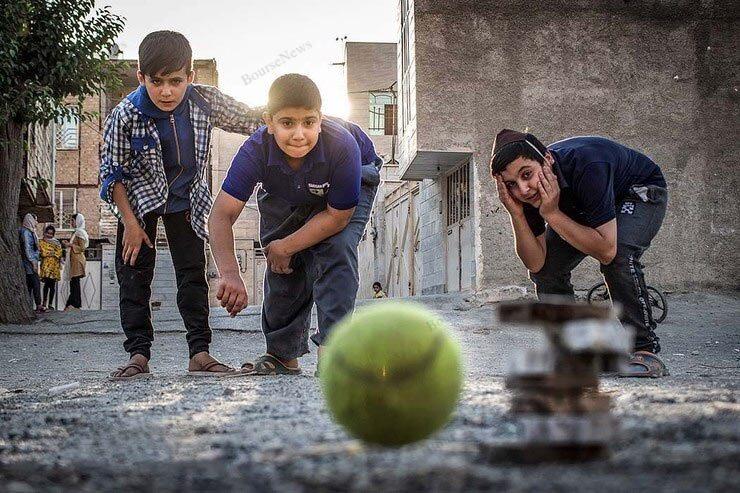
[132,152]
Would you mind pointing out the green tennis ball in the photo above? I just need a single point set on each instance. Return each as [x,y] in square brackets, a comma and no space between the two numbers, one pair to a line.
[391,374]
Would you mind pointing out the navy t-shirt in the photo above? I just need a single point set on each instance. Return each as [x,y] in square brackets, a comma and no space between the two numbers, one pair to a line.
[330,172]
[595,174]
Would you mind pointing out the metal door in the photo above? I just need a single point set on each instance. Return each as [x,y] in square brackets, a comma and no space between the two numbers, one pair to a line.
[460,260]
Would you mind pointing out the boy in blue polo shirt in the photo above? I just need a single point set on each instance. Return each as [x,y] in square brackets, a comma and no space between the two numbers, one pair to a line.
[153,165]
[585,196]
[318,180]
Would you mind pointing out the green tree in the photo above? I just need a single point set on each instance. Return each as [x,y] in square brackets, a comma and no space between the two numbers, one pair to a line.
[49,50]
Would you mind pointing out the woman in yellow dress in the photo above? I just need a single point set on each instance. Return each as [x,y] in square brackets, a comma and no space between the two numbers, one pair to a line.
[51,265]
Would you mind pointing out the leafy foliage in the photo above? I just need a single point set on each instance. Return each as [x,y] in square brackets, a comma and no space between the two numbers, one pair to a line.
[50,49]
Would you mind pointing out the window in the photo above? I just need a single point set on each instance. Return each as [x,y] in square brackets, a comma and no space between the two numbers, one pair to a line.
[406,56]
[458,194]
[382,111]
[390,119]
[68,131]
[66,206]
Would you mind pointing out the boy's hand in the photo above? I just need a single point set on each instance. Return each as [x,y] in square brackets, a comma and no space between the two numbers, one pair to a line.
[133,236]
[549,191]
[278,258]
[232,293]
[512,205]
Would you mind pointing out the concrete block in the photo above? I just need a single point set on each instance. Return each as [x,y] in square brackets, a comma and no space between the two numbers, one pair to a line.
[597,336]
[560,403]
[597,428]
[553,311]
[532,362]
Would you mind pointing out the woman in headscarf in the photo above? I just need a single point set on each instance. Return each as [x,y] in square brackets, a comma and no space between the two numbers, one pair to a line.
[30,252]
[51,265]
[76,262]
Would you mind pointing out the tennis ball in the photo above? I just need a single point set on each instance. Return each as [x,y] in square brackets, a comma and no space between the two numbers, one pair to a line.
[391,373]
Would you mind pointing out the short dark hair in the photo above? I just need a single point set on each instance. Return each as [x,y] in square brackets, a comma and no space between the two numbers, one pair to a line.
[376,283]
[511,152]
[164,52]
[50,227]
[293,91]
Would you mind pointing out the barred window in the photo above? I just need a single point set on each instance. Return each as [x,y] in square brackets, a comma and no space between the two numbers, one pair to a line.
[380,103]
[458,194]
[68,133]
[66,206]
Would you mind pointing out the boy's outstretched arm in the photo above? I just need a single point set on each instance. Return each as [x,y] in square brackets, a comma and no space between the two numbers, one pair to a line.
[231,290]
[326,223]
[229,114]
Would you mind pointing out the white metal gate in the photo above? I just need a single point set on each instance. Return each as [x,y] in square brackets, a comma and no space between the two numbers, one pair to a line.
[460,260]
[90,285]
[402,239]
[258,281]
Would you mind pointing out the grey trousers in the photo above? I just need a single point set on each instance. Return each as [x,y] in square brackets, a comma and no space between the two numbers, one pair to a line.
[639,217]
[325,274]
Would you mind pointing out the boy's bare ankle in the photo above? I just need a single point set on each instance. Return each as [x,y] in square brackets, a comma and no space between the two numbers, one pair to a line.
[139,359]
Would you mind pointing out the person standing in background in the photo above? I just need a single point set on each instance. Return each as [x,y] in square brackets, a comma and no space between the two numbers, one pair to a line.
[51,252]
[378,291]
[76,262]
[30,255]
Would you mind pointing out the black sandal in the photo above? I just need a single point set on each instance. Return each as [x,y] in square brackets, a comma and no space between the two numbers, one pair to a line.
[268,365]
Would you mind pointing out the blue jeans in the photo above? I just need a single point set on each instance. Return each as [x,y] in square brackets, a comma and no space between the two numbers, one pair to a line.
[639,217]
[325,274]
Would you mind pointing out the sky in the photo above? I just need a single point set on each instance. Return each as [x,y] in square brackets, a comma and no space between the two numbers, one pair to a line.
[246,36]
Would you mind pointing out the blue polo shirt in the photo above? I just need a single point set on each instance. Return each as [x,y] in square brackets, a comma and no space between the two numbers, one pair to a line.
[595,174]
[330,172]
[178,147]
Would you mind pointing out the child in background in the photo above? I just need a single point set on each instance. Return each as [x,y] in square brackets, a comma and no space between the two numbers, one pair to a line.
[50,251]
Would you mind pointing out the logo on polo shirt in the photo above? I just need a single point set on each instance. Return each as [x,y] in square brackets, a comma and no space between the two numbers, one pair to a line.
[318,189]
[628,208]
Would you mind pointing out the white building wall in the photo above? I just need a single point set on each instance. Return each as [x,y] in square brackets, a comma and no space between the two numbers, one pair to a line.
[431,236]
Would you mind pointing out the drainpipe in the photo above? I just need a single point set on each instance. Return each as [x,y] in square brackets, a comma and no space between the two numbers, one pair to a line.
[53,167]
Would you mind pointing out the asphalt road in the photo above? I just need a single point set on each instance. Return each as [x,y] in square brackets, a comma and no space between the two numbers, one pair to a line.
[171,432]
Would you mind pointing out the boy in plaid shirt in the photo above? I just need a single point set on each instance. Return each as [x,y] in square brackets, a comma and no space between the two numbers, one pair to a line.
[153,164]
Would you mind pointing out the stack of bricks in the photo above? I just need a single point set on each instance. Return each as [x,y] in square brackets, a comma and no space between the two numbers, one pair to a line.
[560,412]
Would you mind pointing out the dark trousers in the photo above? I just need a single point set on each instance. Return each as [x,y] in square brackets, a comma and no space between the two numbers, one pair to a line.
[49,289]
[639,218]
[326,273]
[75,292]
[34,288]
[189,259]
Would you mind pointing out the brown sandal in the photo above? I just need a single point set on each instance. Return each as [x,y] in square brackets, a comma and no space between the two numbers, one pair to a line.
[206,371]
[644,364]
[268,365]
[141,372]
